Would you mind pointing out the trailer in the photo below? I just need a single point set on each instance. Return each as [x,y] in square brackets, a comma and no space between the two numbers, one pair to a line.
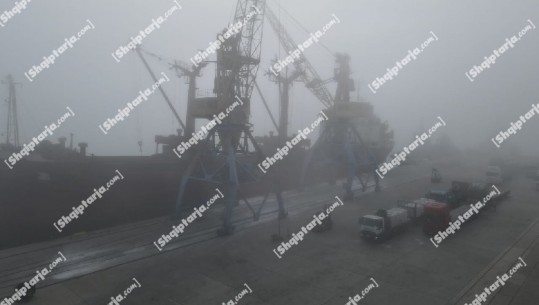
[415,208]
[497,198]
[478,191]
[455,213]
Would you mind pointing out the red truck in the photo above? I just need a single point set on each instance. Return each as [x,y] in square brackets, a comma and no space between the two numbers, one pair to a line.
[436,218]
[438,215]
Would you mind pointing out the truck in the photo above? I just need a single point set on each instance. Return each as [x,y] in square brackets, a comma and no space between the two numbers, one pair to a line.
[383,224]
[438,215]
[437,218]
[454,197]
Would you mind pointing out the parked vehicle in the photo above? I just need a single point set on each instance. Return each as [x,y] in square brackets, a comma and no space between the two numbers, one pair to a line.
[384,224]
[437,215]
[435,211]
[455,196]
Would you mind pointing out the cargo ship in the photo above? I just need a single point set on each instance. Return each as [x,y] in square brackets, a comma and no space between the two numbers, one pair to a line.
[56,177]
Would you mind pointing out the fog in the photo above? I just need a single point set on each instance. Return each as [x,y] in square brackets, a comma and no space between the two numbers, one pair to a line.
[376,34]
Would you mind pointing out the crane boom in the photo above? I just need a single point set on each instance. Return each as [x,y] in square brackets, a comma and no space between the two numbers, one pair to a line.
[309,76]
[251,14]
[238,60]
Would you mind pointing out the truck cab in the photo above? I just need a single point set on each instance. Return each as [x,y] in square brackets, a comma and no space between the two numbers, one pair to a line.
[437,217]
[383,224]
[371,227]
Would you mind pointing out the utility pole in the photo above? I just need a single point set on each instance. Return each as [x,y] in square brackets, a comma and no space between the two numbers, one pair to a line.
[12,131]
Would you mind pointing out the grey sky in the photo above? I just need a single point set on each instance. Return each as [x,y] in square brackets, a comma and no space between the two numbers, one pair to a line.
[374,33]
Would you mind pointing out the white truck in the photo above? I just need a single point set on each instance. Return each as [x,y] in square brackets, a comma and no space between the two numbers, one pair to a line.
[384,224]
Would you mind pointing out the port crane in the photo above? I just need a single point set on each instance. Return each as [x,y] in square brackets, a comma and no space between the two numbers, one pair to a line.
[340,142]
[228,158]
